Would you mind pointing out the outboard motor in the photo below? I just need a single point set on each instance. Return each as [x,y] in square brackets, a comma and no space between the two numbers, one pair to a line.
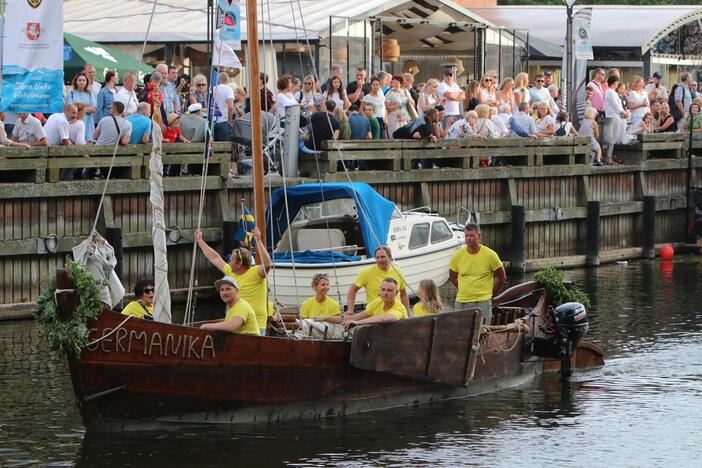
[569,326]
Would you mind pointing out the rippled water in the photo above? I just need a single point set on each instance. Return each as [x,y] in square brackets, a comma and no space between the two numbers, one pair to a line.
[643,409]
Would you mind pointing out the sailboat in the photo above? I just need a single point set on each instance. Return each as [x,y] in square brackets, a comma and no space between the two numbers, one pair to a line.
[138,374]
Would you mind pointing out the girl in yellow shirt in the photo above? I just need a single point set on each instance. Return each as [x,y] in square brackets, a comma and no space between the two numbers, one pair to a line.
[321,307]
[430,302]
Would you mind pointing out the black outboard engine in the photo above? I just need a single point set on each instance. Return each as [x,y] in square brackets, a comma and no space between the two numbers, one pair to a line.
[569,326]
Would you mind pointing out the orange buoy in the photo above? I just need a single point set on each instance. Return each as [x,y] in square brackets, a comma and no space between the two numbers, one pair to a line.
[667,252]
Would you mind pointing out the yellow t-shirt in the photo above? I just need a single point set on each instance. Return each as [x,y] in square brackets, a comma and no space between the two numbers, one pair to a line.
[243,310]
[136,309]
[252,289]
[375,308]
[311,308]
[371,277]
[420,310]
[475,273]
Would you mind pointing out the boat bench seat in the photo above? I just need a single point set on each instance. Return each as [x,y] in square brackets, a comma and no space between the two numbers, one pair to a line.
[318,239]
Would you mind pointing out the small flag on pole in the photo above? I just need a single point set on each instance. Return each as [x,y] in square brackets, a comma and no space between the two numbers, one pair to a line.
[244,231]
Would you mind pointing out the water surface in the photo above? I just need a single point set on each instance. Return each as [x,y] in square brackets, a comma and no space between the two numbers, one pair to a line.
[644,408]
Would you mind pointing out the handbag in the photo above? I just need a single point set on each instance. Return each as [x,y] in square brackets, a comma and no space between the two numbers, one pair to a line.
[410,108]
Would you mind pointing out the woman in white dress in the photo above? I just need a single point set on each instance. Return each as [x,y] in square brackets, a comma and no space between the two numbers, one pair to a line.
[376,98]
[428,98]
[521,89]
[545,125]
[638,104]
[285,97]
[337,93]
[310,97]
[615,111]
[484,126]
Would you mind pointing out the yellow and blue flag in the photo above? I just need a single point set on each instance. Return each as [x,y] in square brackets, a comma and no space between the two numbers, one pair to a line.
[244,231]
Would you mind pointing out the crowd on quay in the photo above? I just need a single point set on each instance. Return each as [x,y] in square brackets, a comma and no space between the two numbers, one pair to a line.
[475,270]
[384,106]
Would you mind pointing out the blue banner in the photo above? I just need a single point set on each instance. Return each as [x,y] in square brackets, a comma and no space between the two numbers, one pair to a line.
[32,57]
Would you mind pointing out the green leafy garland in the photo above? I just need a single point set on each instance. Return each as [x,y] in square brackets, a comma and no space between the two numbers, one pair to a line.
[557,292]
[69,335]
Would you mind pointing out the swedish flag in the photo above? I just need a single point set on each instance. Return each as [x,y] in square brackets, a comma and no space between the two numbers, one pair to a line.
[244,231]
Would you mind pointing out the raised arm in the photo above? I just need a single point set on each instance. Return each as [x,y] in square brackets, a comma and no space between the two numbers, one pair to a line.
[262,253]
[209,252]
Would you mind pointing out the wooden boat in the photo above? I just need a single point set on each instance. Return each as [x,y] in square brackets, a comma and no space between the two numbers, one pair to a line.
[336,227]
[138,374]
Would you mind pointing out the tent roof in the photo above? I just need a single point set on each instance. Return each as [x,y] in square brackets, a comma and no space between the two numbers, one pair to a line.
[612,25]
[185,20]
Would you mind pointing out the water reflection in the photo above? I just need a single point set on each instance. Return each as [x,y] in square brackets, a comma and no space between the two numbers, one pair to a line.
[646,315]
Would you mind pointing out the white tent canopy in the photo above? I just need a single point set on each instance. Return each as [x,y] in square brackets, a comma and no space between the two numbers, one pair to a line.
[126,21]
[612,25]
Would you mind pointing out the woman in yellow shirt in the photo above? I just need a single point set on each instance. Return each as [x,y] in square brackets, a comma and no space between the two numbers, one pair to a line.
[240,317]
[143,306]
[430,302]
[321,307]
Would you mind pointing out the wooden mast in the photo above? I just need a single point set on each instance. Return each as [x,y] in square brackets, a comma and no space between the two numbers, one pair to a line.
[256,134]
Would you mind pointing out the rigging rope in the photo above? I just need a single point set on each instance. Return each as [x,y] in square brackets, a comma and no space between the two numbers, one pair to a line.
[207,152]
[114,152]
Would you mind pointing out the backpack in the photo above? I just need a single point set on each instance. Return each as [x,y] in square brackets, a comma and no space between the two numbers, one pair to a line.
[561,130]
[674,111]
[143,95]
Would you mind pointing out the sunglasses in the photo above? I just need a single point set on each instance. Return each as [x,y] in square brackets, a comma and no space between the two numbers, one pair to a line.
[201,84]
[539,81]
[148,290]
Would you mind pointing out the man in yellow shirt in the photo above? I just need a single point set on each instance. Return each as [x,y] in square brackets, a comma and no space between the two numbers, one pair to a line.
[384,309]
[371,277]
[477,272]
[240,316]
[252,281]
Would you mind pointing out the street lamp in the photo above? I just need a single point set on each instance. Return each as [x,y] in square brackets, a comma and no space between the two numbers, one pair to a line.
[569,101]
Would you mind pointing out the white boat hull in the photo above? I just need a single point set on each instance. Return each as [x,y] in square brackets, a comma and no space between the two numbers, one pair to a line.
[291,286]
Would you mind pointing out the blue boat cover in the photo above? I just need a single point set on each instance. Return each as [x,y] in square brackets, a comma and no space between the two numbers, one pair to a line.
[374,211]
[311,256]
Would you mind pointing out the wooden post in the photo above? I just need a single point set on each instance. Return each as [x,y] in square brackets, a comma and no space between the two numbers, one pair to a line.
[256,135]
[518,251]
[649,226]
[592,241]
[113,235]
[228,230]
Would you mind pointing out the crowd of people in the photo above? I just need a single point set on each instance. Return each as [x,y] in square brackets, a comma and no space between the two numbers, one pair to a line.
[384,106]
[475,270]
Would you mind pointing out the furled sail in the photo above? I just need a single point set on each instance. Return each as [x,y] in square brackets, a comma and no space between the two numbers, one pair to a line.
[162,295]
[98,257]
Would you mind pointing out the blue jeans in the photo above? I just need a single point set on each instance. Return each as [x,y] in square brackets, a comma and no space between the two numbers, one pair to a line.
[222,131]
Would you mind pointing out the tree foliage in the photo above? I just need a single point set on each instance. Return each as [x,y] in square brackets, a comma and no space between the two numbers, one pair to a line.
[558,291]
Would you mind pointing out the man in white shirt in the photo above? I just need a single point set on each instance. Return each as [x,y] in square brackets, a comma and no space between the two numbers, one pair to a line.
[452,93]
[28,130]
[223,108]
[90,72]
[655,89]
[4,141]
[538,92]
[57,126]
[127,96]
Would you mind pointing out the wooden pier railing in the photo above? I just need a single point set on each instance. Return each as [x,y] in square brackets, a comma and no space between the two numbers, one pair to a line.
[570,212]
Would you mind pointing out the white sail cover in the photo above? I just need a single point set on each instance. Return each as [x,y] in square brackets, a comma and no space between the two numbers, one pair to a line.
[98,257]
[162,295]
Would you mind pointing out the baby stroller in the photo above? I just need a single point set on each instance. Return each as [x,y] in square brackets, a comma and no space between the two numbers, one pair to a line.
[272,144]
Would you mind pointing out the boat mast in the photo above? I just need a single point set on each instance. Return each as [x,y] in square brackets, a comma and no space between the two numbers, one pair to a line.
[256,133]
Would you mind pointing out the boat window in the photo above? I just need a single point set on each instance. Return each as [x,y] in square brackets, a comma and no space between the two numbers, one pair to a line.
[419,236]
[326,209]
[440,232]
